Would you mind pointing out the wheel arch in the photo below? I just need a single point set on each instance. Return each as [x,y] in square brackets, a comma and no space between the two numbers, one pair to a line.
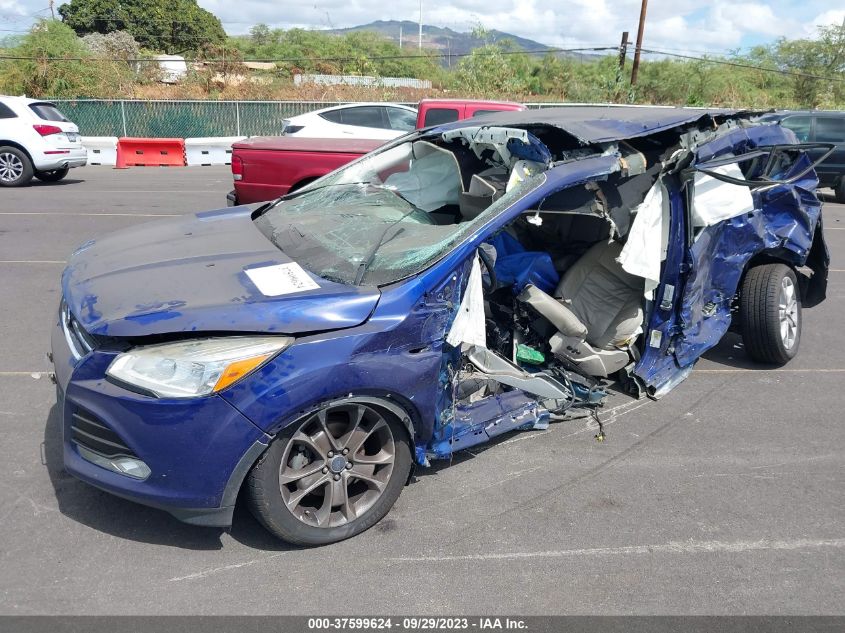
[399,406]
[6,143]
[396,405]
[810,271]
[299,184]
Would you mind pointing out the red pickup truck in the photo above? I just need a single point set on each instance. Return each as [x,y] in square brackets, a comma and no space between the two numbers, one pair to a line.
[267,167]
[439,111]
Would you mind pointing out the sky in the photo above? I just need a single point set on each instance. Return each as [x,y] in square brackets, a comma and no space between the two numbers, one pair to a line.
[688,26]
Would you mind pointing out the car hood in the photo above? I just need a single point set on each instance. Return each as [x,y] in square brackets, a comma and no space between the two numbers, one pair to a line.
[188,274]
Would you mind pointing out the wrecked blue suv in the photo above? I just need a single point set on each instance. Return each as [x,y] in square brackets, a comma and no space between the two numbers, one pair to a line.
[459,283]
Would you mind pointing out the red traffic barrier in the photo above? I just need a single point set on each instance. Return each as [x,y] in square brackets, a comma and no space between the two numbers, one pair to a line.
[150,152]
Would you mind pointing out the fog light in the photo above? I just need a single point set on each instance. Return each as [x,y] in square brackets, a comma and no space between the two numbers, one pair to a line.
[129,466]
[132,467]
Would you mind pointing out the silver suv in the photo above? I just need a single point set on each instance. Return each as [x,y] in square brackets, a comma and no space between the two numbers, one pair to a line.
[36,140]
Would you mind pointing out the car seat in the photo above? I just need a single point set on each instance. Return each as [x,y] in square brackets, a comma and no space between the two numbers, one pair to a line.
[596,308]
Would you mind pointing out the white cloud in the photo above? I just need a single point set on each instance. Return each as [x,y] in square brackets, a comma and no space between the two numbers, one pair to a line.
[679,25]
[834,16]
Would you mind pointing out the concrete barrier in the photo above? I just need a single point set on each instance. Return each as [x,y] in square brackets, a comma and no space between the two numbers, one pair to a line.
[102,150]
[210,151]
[150,152]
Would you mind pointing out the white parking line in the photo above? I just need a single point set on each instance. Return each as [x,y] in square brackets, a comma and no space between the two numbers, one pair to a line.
[762,372]
[672,547]
[32,374]
[97,215]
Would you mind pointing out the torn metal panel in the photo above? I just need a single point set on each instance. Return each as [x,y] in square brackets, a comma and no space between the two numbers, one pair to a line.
[478,422]
[603,124]
[783,222]
[503,371]
[657,366]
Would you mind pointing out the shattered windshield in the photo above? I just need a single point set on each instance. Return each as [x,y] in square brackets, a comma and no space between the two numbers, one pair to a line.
[390,214]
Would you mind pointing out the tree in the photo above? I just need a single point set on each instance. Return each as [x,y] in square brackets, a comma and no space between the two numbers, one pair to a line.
[260,34]
[822,57]
[171,26]
[494,67]
[116,45]
[56,63]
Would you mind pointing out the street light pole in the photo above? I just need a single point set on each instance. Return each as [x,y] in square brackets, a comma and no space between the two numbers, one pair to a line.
[636,67]
[420,24]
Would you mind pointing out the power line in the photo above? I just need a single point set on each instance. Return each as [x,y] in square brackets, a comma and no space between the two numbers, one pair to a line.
[725,62]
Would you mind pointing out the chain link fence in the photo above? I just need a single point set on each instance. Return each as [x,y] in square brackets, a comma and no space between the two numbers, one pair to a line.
[186,119]
[182,119]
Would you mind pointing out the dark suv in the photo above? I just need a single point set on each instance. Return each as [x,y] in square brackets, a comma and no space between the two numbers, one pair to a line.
[819,126]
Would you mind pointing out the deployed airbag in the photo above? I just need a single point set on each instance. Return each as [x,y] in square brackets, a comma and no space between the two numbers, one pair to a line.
[715,200]
[433,179]
[647,239]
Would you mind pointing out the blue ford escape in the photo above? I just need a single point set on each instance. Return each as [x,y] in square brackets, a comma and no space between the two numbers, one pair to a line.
[461,282]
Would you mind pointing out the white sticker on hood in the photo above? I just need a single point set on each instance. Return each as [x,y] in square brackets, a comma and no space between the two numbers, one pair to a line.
[281,279]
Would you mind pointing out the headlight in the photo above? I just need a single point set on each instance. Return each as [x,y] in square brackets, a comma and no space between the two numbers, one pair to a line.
[194,368]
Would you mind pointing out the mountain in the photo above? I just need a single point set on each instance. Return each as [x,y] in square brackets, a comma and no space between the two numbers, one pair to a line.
[442,39]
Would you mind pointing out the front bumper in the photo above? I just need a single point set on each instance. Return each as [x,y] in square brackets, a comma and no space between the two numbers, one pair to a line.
[198,451]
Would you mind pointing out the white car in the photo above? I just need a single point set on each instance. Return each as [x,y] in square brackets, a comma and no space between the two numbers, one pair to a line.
[36,140]
[355,120]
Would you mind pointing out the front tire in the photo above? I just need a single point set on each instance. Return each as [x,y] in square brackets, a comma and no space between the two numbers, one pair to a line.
[54,175]
[15,167]
[331,475]
[770,311]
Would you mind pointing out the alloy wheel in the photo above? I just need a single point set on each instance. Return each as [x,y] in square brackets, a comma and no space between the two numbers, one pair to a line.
[336,465]
[788,313]
[11,167]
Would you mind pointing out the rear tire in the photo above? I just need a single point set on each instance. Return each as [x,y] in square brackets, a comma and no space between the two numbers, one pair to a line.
[54,175]
[770,312]
[330,475]
[839,191]
[15,167]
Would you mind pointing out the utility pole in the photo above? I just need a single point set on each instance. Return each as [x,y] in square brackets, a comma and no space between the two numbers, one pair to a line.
[636,67]
[420,24]
[623,51]
[620,71]
[400,36]
[52,12]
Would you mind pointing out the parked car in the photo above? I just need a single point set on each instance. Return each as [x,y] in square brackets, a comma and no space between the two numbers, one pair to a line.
[462,282]
[36,140]
[354,120]
[819,126]
[265,168]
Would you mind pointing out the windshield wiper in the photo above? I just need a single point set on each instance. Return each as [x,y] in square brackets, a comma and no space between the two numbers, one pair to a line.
[382,240]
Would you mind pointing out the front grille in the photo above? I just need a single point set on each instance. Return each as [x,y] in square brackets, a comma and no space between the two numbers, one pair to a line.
[88,431]
[79,341]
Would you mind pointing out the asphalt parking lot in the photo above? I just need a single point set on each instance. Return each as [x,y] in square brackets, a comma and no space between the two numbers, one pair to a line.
[725,497]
